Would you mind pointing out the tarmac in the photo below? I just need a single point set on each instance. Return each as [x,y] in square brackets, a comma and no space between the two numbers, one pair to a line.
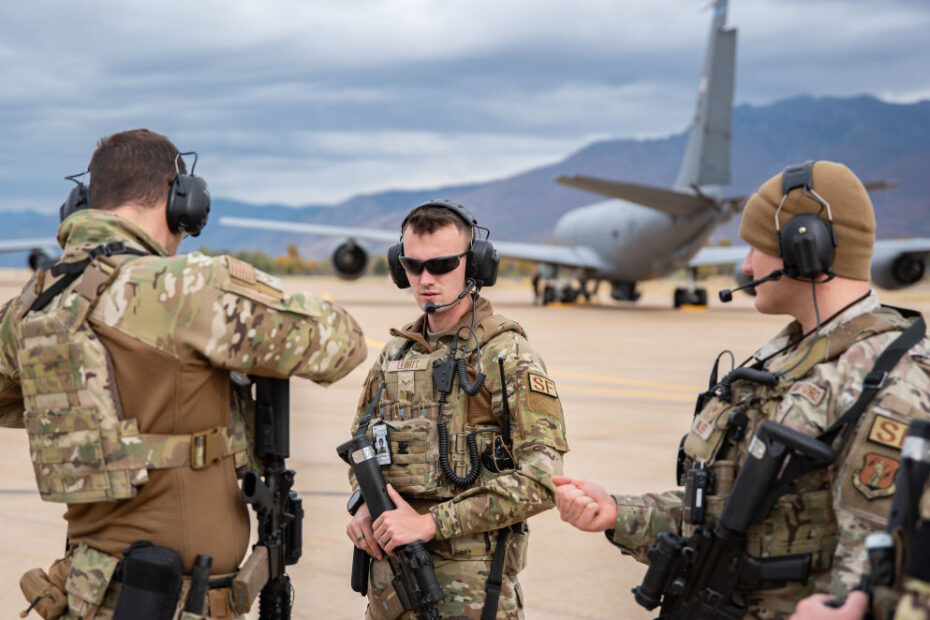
[627,374]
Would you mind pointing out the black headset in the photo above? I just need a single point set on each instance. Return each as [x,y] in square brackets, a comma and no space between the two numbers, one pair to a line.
[188,199]
[481,261]
[808,243]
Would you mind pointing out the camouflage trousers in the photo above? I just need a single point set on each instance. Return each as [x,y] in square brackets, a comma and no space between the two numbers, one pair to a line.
[915,602]
[462,581]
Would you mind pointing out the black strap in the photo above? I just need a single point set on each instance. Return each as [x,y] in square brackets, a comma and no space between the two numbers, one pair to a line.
[495,582]
[873,382]
[370,411]
[73,271]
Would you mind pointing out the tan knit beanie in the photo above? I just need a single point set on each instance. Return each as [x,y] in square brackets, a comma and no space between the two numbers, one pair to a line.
[853,217]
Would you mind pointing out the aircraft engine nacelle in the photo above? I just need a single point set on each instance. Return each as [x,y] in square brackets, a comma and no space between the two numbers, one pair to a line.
[897,270]
[349,260]
[38,259]
[743,279]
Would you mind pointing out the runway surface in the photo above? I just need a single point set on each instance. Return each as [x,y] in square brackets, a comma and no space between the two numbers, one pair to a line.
[627,375]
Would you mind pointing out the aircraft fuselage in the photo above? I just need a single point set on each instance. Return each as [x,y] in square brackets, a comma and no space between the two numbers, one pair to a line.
[640,243]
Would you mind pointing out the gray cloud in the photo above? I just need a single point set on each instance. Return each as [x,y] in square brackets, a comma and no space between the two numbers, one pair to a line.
[299,102]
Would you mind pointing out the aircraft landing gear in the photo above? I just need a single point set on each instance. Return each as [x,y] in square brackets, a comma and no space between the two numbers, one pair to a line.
[694,297]
[548,294]
[624,291]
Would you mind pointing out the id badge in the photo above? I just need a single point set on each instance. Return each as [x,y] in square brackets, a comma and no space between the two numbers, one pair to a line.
[381,440]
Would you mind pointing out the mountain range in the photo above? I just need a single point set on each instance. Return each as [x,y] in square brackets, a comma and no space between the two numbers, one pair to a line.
[877,139]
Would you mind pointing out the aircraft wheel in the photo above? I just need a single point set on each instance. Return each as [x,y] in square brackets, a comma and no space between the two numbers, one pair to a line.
[548,294]
[569,294]
[684,297]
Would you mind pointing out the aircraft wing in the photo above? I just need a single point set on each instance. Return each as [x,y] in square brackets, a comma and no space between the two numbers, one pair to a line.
[567,256]
[665,200]
[371,234]
[732,254]
[19,245]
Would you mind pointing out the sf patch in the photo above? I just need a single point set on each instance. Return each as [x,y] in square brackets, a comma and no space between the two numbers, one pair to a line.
[887,432]
[542,384]
[875,476]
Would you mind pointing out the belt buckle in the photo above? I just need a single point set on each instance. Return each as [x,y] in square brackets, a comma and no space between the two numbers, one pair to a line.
[206,447]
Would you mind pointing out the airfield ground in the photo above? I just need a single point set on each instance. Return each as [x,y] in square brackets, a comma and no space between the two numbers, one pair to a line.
[627,375]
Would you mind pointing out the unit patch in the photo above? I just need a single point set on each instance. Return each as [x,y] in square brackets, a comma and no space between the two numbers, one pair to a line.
[887,431]
[875,477]
[381,441]
[542,384]
[813,393]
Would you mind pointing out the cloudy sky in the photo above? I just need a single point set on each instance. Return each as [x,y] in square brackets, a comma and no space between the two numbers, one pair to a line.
[311,101]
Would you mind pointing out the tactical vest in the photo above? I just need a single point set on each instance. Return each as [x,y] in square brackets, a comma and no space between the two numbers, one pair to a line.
[83,446]
[409,407]
[720,437]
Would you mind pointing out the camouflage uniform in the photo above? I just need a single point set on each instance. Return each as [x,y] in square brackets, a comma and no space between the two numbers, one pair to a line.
[131,414]
[834,508]
[467,519]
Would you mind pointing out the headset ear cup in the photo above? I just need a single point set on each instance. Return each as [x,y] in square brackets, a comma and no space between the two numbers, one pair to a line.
[807,246]
[398,275]
[483,262]
[188,205]
[78,198]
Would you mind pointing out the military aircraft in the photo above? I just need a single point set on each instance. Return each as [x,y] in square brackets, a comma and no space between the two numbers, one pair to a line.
[642,232]
[41,251]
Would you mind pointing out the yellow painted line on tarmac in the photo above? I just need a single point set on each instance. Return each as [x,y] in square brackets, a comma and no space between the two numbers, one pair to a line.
[374,344]
[691,308]
[326,297]
[691,389]
[649,395]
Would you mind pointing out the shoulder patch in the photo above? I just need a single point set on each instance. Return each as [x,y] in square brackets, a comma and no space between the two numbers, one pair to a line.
[813,393]
[702,428]
[241,270]
[541,384]
[875,476]
[887,431]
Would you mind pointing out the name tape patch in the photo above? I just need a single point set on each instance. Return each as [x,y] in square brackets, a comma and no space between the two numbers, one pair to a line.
[419,363]
[887,431]
[542,384]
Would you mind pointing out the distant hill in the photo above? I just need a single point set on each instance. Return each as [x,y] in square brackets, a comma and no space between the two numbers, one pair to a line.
[877,140]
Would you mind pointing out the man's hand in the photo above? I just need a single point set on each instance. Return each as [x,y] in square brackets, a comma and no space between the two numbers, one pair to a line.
[584,504]
[813,608]
[360,532]
[402,525]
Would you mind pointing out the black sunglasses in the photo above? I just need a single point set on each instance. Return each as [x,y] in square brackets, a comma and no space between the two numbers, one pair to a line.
[436,266]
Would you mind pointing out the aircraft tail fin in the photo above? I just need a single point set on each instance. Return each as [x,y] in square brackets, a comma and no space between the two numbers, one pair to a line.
[665,200]
[707,154]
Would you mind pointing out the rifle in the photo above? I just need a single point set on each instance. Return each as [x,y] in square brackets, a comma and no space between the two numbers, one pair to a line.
[414,578]
[697,577]
[278,508]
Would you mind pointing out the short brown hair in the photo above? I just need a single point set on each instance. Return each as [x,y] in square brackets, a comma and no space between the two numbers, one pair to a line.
[427,219]
[132,166]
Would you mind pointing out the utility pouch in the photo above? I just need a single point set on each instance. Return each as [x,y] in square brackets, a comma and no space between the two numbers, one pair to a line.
[151,582]
[46,598]
[361,561]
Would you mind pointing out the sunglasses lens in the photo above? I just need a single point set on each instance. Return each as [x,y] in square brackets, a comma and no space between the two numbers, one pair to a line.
[411,265]
[439,266]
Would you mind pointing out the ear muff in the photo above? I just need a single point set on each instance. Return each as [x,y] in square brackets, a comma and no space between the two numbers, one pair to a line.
[482,262]
[398,274]
[78,198]
[188,201]
[808,243]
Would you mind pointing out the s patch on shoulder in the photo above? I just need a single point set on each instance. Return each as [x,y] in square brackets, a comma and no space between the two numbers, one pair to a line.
[541,384]
[875,476]
[887,431]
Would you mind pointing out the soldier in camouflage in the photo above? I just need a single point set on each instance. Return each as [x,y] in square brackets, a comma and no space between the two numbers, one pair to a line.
[459,520]
[820,361]
[118,362]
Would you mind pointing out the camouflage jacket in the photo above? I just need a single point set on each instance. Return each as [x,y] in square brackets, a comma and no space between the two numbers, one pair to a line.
[174,326]
[834,508]
[537,425]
